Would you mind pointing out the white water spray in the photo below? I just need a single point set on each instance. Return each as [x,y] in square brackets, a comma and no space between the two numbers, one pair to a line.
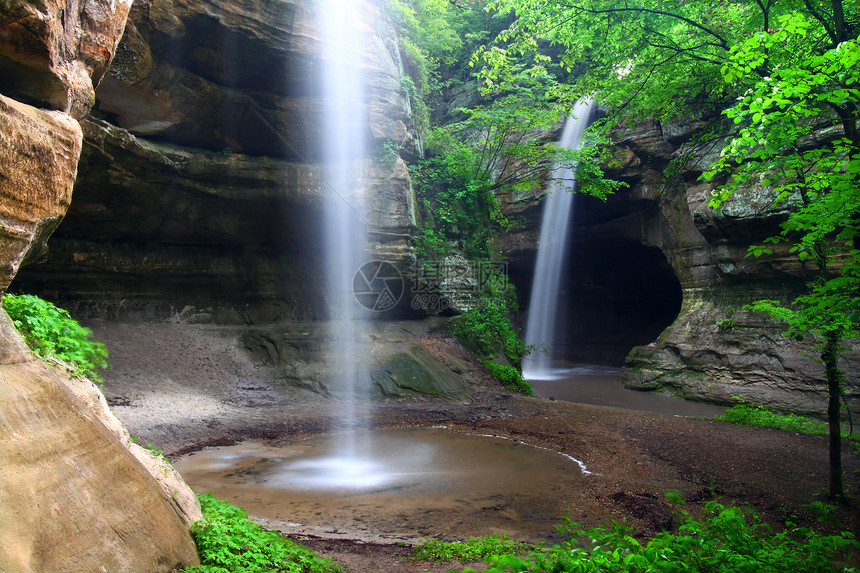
[543,305]
[344,119]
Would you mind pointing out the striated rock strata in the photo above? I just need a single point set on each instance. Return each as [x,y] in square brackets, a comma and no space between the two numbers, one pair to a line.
[75,494]
[199,189]
[709,348]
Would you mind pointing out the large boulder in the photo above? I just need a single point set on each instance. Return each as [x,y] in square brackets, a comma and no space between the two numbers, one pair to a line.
[75,494]
[72,496]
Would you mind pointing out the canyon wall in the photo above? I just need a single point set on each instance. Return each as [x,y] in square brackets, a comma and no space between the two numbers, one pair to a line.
[198,200]
[199,189]
[74,493]
[669,277]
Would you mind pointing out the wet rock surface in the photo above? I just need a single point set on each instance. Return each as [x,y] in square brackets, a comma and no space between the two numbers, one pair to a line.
[199,189]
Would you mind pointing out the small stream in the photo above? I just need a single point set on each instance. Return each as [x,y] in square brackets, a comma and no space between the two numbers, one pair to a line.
[591,384]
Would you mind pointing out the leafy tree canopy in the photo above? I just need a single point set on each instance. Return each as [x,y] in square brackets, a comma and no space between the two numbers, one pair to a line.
[655,58]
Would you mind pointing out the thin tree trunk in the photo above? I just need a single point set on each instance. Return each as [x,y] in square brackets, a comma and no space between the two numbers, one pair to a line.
[834,378]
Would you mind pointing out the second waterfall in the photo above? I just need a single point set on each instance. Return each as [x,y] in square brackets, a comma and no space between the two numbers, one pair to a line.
[544,304]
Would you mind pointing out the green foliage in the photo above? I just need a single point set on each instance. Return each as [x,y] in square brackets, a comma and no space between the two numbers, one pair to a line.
[227,542]
[503,133]
[455,199]
[727,539]
[817,183]
[52,332]
[430,40]
[786,76]
[796,138]
[486,329]
[745,414]
[471,550]
[510,377]
[388,154]
[727,322]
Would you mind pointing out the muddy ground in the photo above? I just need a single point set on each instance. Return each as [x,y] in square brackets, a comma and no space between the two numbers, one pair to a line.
[185,388]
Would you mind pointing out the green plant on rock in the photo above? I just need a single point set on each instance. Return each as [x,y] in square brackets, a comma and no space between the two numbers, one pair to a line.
[52,333]
[486,329]
[227,542]
[455,198]
[388,154]
[510,377]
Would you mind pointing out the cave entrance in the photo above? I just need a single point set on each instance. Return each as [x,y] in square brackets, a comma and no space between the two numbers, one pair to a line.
[616,294]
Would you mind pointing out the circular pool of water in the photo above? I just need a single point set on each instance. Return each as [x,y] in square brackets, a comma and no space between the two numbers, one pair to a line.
[398,484]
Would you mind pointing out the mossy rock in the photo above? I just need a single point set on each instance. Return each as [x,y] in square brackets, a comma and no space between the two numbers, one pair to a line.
[417,371]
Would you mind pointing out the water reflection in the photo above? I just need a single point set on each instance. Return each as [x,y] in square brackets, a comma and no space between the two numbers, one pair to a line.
[592,384]
[412,482]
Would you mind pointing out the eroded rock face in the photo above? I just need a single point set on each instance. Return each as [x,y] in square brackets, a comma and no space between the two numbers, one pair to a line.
[53,53]
[39,153]
[72,497]
[199,189]
[712,349]
[243,76]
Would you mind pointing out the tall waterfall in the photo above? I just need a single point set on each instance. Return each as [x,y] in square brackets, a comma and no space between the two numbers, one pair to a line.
[544,303]
[345,122]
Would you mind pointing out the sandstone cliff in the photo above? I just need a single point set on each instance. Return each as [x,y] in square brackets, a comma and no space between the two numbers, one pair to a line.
[199,189]
[73,496]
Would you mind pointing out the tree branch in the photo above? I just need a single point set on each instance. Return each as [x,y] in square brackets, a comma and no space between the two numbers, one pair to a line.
[722,43]
[834,39]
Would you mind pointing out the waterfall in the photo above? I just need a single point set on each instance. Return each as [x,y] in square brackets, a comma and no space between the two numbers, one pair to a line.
[544,303]
[344,124]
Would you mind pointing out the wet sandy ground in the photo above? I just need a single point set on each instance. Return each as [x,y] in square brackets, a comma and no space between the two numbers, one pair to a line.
[183,389]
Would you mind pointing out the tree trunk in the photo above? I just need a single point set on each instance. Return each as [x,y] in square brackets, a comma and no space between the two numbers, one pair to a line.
[834,379]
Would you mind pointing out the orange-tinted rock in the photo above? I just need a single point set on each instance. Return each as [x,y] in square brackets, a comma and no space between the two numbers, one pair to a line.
[39,153]
[72,498]
[53,53]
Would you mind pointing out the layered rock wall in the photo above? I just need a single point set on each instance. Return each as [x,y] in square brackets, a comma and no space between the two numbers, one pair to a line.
[711,349]
[199,190]
[73,497]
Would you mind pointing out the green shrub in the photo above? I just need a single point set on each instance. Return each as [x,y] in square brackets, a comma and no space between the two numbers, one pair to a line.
[456,202]
[471,550]
[228,542]
[486,329]
[51,332]
[725,540]
[509,376]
